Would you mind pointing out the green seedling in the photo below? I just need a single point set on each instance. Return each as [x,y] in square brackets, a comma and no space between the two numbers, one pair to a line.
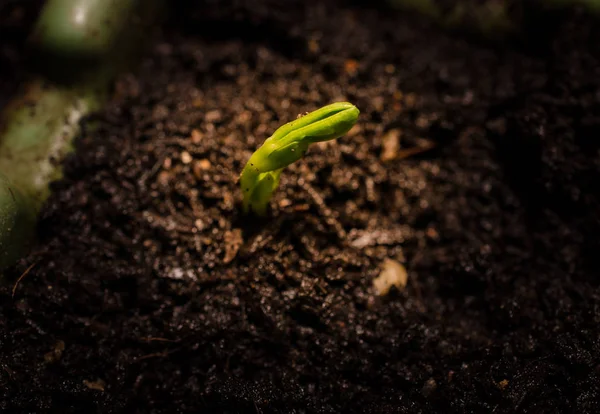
[260,177]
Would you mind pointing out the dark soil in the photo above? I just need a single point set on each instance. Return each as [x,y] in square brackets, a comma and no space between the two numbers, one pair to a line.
[149,292]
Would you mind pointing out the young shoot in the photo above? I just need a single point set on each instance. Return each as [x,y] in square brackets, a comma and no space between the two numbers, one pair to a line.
[260,177]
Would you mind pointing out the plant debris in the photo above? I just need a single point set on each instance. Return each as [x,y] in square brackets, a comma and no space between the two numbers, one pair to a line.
[392,274]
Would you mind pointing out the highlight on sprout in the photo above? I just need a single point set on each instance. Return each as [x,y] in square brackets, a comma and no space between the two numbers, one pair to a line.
[260,177]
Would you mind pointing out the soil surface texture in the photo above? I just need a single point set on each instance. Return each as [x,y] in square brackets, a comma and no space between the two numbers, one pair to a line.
[474,167]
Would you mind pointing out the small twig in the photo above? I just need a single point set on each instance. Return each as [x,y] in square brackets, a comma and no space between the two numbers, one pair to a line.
[163,354]
[325,211]
[158,339]
[151,173]
[155,354]
[21,278]
[409,152]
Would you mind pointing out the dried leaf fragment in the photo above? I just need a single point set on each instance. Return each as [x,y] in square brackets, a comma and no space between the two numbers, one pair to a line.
[391,145]
[56,353]
[97,385]
[392,274]
[233,242]
[502,384]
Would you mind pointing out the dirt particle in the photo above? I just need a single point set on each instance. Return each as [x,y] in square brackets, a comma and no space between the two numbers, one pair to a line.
[503,384]
[160,112]
[351,67]
[423,121]
[410,100]
[213,116]
[432,233]
[164,178]
[186,157]
[196,137]
[200,168]
[429,387]
[233,242]
[286,202]
[204,164]
[56,353]
[199,224]
[244,117]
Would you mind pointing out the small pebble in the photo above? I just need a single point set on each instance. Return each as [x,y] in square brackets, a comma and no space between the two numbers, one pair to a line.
[164,178]
[196,136]
[200,167]
[351,67]
[204,164]
[213,116]
[199,224]
[186,157]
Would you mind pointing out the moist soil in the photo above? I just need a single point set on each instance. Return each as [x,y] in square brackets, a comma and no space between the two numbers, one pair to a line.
[474,166]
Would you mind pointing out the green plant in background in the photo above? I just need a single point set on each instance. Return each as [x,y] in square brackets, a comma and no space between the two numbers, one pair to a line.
[76,49]
[261,174]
